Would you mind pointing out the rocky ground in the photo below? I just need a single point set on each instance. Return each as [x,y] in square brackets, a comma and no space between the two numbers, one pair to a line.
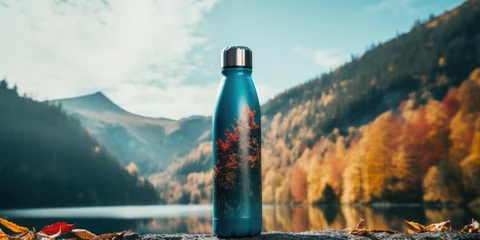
[326,234]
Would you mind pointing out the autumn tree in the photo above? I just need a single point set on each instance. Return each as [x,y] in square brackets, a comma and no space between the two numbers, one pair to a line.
[298,184]
[469,97]
[471,164]
[317,180]
[440,187]
[272,180]
[451,103]
[461,134]
[352,176]
[381,136]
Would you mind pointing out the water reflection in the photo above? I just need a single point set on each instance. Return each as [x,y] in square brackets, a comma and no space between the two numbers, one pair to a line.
[303,218]
[275,218]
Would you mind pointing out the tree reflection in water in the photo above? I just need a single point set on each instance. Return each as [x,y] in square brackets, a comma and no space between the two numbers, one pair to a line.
[304,218]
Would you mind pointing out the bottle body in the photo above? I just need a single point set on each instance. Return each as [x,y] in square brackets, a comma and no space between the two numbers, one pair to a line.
[237,191]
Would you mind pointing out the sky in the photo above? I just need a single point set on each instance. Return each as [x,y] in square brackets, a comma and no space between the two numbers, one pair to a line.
[162,58]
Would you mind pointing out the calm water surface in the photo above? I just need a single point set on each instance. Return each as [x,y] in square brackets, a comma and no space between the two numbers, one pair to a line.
[197,218]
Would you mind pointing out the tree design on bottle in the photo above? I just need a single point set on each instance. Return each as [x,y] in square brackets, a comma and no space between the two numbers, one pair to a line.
[238,158]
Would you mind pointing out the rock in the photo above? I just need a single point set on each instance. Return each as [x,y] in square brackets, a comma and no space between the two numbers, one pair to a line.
[325,234]
[131,236]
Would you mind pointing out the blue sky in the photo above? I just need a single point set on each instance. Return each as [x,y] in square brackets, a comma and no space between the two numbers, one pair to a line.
[162,58]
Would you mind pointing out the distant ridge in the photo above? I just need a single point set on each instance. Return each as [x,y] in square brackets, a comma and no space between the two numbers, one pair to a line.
[96,102]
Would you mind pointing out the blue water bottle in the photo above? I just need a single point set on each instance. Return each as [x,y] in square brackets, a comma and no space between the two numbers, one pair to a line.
[237,177]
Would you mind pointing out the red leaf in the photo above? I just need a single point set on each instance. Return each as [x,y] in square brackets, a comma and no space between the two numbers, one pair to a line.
[55,228]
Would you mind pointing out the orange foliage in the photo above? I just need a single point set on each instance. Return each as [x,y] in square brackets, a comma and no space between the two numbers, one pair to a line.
[298,184]
[421,153]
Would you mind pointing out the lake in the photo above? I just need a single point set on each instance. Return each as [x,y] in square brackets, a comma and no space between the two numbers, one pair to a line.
[197,218]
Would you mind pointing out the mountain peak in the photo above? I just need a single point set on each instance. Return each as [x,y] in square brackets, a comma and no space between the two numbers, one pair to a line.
[96,102]
[97,94]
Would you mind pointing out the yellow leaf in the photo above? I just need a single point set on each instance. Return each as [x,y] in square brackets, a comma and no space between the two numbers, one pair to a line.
[12,226]
[83,234]
[108,236]
[3,236]
[416,226]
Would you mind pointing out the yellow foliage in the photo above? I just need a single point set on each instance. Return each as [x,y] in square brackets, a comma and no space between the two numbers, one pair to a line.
[317,179]
[475,76]
[12,226]
[441,62]
[476,138]
[272,180]
[402,173]
[460,127]
[268,194]
[282,193]
[439,191]
[409,109]
[377,157]
[469,94]
[352,183]
[471,173]
[327,98]
[432,24]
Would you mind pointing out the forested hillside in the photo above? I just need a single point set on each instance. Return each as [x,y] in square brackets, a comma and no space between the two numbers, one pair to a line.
[399,123]
[48,159]
[151,144]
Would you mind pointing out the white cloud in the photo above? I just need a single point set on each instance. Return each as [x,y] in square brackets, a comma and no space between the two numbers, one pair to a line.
[176,100]
[56,49]
[396,5]
[326,58]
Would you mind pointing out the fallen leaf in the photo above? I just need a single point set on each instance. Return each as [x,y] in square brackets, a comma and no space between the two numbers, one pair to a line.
[362,229]
[361,225]
[53,236]
[418,228]
[437,227]
[108,236]
[3,236]
[29,236]
[474,227]
[12,226]
[83,234]
[55,228]
[20,235]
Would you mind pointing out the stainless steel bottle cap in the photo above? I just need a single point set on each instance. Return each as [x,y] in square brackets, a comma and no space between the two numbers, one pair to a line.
[236,56]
